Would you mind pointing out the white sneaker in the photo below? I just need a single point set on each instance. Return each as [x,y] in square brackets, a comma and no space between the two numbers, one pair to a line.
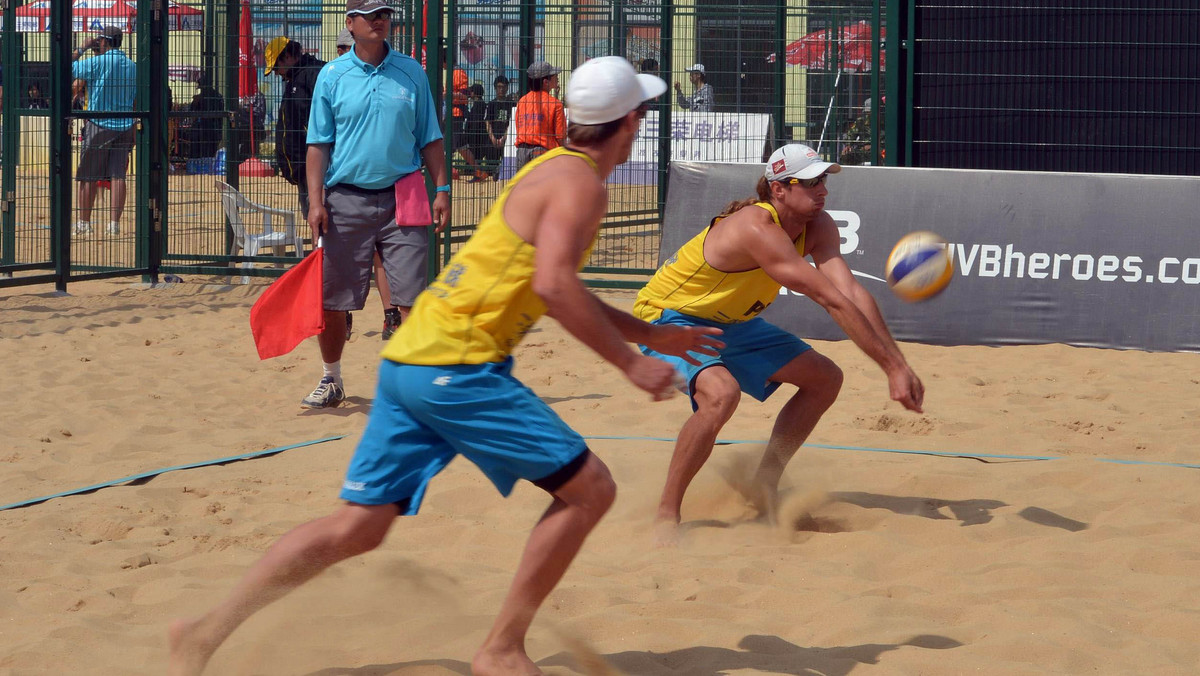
[112,229]
[328,393]
[83,228]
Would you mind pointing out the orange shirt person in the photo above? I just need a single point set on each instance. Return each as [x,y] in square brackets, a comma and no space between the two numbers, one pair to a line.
[539,119]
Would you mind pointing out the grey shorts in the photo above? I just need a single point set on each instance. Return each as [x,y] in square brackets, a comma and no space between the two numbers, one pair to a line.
[362,222]
[105,153]
[526,153]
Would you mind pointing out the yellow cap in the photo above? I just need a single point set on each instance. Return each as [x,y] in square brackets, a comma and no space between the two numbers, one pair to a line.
[272,52]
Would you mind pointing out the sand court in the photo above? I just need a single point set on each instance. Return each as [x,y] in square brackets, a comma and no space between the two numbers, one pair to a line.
[1039,518]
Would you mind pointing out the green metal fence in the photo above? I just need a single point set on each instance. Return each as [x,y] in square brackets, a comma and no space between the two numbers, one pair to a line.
[951,84]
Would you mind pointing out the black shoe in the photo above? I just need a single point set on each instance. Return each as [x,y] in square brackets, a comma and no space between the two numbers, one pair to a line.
[391,322]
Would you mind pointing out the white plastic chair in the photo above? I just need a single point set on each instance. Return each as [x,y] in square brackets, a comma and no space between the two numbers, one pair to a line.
[235,205]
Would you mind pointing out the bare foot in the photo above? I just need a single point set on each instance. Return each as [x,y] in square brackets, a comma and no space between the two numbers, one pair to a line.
[666,533]
[188,652]
[513,662]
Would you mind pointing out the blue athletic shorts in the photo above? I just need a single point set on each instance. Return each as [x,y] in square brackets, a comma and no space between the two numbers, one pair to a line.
[425,415]
[753,352]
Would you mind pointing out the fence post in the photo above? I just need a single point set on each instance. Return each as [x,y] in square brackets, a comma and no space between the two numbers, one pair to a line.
[60,141]
[10,138]
[666,54]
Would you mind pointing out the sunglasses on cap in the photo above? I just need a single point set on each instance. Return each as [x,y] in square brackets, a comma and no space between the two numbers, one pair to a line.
[377,15]
[806,182]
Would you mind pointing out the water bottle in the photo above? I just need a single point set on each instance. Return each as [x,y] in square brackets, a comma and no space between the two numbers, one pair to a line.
[219,162]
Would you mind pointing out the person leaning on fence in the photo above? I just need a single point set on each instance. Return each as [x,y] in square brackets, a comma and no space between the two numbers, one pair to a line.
[446,385]
[110,80]
[373,121]
[540,121]
[726,276]
[703,98]
[496,118]
[299,72]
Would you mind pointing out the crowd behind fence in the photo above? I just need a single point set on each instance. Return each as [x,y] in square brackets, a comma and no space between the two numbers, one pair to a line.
[863,81]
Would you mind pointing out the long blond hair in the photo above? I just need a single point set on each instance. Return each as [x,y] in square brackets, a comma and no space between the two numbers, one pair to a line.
[763,188]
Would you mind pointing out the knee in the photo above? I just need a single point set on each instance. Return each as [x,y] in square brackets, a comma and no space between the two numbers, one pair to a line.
[353,536]
[718,400]
[600,490]
[829,382]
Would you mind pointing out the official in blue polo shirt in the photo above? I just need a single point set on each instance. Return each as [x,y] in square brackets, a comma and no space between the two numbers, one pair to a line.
[111,81]
[373,122]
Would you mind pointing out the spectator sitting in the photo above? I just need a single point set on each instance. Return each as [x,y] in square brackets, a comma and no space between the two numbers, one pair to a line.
[34,98]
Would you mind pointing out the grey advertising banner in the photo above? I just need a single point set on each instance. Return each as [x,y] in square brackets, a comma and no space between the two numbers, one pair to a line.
[1092,260]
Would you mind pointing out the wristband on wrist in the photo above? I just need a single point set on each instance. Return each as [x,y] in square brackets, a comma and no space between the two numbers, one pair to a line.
[443,188]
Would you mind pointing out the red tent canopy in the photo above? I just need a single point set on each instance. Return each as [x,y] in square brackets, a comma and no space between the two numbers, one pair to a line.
[89,16]
[816,50]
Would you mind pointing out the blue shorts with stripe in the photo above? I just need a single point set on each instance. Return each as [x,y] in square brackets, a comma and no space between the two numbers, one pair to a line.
[754,351]
[425,415]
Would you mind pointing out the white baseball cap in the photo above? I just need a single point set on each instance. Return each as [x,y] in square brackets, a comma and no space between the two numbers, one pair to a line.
[799,161]
[607,87]
[696,68]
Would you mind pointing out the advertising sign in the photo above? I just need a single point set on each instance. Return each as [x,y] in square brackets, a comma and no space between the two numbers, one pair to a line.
[1093,260]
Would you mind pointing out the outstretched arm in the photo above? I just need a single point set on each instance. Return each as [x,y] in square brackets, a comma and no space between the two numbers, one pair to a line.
[775,253]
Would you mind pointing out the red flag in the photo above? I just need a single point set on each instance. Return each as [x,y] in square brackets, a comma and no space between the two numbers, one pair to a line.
[291,309]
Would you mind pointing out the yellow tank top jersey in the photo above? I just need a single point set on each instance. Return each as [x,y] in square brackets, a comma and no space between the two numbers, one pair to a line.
[482,303]
[686,283]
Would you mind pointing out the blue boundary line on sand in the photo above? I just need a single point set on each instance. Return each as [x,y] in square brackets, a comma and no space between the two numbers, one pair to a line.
[156,472]
[983,457]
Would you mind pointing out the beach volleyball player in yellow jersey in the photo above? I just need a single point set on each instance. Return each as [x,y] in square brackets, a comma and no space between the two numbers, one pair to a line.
[728,274]
[446,388]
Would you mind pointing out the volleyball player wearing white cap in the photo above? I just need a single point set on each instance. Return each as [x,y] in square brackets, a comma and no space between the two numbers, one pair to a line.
[725,277]
[446,386]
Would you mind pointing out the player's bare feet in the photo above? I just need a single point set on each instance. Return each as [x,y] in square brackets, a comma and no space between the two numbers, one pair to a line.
[666,533]
[188,650]
[503,662]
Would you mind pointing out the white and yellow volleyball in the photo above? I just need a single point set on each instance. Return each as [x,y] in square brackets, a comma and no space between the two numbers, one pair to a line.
[919,267]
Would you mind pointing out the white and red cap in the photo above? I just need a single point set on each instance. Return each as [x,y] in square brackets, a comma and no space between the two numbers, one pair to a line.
[799,161]
[606,88]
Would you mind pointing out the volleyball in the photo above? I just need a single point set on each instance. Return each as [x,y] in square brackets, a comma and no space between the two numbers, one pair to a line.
[919,267]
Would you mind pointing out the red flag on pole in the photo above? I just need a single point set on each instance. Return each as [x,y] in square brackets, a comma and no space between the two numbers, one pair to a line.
[248,90]
[291,309]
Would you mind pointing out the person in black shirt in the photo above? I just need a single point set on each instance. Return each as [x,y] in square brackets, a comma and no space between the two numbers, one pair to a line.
[496,118]
[299,73]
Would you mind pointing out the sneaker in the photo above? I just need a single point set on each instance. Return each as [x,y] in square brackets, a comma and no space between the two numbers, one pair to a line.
[391,322]
[83,229]
[328,393]
[349,325]
[112,229]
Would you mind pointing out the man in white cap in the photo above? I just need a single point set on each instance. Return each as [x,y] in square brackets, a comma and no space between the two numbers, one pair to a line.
[344,42]
[702,98]
[725,277]
[446,386]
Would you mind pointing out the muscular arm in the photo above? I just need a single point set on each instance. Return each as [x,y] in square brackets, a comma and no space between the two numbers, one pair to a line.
[565,230]
[826,253]
[771,249]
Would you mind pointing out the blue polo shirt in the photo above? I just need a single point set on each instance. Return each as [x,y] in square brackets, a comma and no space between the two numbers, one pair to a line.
[111,85]
[377,119]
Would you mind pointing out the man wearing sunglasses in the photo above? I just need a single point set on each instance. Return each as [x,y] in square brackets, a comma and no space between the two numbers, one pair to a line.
[725,277]
[373,122]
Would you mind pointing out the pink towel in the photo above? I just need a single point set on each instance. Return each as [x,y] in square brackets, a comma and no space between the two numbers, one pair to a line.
[412,202]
